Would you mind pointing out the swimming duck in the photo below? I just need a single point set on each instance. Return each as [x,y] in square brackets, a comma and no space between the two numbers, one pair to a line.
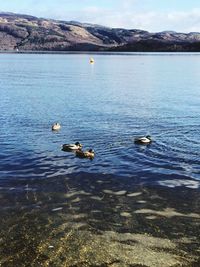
[69,147]
[56,126]
[144,140]
[87,154]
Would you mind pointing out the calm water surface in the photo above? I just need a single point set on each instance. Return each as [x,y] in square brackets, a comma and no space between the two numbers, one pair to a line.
[104,106]
[130,206]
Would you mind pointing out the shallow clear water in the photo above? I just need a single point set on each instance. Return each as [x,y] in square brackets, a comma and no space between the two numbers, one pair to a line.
[104,106]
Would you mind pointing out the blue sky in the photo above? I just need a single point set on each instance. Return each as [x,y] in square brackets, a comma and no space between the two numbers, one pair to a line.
[152,15]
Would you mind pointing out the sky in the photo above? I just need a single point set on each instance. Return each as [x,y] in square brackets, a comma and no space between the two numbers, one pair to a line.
[150,15]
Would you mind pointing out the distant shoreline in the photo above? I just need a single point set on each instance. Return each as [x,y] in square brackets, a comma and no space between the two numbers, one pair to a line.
[98,53]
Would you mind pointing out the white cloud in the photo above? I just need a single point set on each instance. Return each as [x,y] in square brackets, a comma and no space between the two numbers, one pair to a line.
[131,14]
[151,21]
[184,21]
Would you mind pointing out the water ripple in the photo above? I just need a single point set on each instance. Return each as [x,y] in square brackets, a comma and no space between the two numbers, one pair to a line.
[105,114]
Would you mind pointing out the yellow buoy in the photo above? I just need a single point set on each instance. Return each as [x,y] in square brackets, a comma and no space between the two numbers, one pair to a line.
[91,60]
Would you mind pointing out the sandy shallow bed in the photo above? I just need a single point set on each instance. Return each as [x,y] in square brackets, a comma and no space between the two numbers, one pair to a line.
[88,220]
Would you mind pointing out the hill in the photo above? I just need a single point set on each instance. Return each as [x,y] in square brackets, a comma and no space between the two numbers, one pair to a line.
[29,33]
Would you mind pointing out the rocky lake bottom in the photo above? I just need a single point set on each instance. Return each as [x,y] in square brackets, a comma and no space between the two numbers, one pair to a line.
[98,220]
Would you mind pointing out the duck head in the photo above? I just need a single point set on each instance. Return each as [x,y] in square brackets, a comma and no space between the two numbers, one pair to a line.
[78,144]
[149,137]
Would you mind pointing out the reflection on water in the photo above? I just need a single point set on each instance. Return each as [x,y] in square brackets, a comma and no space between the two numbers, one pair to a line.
[98,220]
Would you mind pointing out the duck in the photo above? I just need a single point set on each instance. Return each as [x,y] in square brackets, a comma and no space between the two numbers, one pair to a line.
[56,126]
[85,154]
[144,140]
[70,147]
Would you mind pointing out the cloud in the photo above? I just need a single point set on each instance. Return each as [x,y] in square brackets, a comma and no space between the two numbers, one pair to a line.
[150,20]
[185,21]
[131,14]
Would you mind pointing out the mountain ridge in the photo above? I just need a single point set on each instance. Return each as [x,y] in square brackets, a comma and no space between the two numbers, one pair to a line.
[29,33]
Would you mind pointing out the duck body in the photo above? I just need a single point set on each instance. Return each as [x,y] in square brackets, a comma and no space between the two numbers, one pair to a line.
[56,126]
[71,147]
[85,154]
[144,140]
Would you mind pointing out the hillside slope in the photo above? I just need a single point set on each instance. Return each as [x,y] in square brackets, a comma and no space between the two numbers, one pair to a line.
[24,32]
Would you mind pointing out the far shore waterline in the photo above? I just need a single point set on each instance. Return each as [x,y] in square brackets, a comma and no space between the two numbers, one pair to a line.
[97,52]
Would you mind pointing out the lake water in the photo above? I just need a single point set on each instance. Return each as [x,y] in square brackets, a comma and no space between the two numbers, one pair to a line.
[104,106]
